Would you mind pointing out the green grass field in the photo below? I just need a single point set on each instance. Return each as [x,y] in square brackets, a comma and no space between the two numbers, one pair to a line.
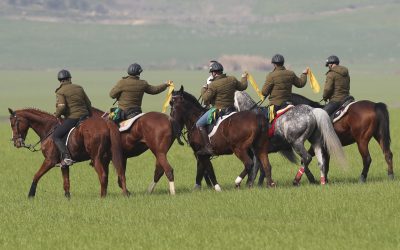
[341,215]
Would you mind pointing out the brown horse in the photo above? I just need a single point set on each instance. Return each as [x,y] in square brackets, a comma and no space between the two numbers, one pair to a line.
[231,136]
[363,120]
[93,139]
[154,131]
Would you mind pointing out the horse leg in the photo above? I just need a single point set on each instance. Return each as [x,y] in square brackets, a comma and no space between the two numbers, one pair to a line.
[388,157]
[122,178]
[321,161]
[46,166]
[65,174]
[102,173]
[307,171]
[158,173]
[161,159]
[305,161]
[363,149]
[243,155]
[204,165]
[261,177]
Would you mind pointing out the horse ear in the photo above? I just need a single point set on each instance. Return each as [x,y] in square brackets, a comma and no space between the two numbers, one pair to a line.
[181,90]
[11,111]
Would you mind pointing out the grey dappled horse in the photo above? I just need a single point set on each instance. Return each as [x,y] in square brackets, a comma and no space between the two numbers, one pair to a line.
[292,129]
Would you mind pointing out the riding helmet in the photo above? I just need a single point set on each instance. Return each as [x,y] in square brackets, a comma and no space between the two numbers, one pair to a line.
[216,67]
[134,69]
[278,59]
[63,75]
[332,60]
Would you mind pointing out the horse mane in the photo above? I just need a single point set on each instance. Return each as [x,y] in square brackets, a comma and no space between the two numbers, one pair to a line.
[189,97]
[36,110]
[299,99]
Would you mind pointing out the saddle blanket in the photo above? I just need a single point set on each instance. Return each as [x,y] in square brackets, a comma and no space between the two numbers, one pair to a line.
[342,112]
[125,125]
[271,129]
[215,128]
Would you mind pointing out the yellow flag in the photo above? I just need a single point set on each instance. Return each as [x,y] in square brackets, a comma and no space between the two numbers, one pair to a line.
[168,97]
[313,82]
[253,83]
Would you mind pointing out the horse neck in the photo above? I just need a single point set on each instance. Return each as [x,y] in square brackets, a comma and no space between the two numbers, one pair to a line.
[243,101]
[193,114]
[40,122]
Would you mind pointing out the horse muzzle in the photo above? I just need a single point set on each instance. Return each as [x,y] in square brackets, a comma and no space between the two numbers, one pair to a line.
[19,142]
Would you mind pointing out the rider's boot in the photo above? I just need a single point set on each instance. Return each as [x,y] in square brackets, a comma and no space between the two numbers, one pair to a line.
[207,149]
[66,158]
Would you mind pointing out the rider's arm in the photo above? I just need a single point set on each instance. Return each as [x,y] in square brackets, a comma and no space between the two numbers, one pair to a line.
[207,94]
[268,85]
[300,81]
[116,90]
[60,105]
[153,90]
[329,86]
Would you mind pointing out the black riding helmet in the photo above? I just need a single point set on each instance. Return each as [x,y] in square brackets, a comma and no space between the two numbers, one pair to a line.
[63,75]
[332,60]
[278,59]
[216,67]
[134,69]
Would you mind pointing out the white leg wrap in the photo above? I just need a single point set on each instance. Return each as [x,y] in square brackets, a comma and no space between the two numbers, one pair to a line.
[238,180]
[151,187]
[172,188]
[217,188]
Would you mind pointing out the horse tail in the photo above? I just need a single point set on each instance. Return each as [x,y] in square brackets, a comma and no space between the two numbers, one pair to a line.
[383,125]
[116,147]
[329,136]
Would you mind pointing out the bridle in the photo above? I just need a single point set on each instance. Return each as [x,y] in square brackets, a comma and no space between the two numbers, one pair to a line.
[18,138]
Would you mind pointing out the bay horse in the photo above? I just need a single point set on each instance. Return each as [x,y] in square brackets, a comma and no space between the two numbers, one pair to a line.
[292,129]
[154,131]
[93,139]
[231,136]
[364,119]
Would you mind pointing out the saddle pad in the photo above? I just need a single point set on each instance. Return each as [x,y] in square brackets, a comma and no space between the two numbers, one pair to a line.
[271,129]
[125,125]
[343,112]
[215,128]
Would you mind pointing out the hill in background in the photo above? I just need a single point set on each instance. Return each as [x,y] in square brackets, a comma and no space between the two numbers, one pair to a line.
[161,34]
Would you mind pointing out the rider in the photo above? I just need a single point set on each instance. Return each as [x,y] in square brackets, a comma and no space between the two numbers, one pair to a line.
[278,85]
[337,84]
[129,91]
[74,105]
[220,94]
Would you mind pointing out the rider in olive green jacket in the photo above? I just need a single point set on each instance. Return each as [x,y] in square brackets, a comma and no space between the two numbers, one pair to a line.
[278,85]
[337,84]
[129,91]
[74,105]
[220,93]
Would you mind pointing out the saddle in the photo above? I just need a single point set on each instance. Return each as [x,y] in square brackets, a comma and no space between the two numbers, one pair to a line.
[342,110]
[271,115]
[126,124]
[216,117]
[118,115]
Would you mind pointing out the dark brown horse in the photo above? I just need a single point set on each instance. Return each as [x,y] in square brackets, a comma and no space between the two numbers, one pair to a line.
[93,139]
[231,136]
[154,131]
[363,120]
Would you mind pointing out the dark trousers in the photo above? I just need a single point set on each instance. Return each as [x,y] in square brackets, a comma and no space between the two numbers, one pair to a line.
[331,107]
[61,130]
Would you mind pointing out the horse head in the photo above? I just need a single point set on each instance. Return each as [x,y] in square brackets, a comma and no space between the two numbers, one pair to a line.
[19,126]
[184,106]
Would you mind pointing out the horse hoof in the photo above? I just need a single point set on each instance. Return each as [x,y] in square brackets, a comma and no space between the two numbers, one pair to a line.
[362,179]
[217,188]
[31,196]
[271,185]
[196,187]
[296,183]
[237,186]
[127,194]
[67,195]
[391,176]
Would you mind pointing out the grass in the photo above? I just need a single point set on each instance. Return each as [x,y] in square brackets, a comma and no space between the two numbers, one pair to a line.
[342,215]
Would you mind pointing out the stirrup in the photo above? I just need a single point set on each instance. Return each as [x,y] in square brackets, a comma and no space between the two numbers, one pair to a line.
[66,162]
